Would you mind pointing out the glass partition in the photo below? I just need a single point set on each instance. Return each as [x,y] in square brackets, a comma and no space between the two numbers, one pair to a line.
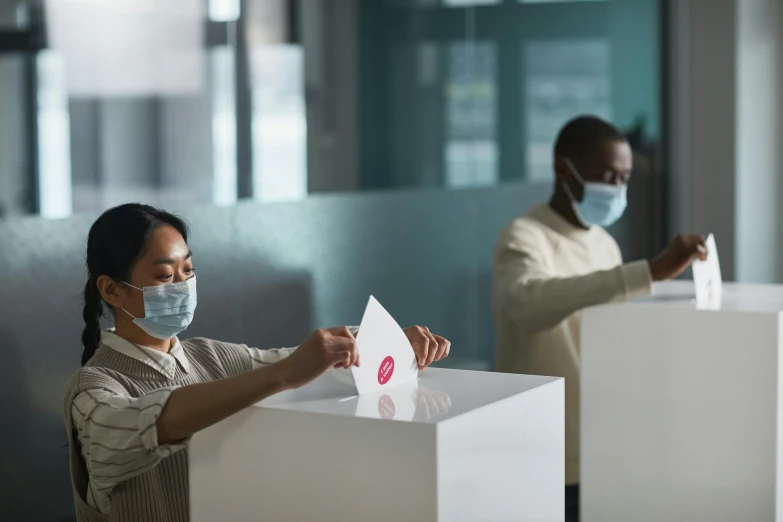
[214,101]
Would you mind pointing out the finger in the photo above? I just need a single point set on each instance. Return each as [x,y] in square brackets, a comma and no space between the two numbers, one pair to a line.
[351,348]
[433,406]
[354,350]
[443,348]
[338,360]
[420,346]
[432,346]
[344,359]
[696,240]
[341,352]
[340,331]
[446,398]
[701,252]
[441,402]
[424,407]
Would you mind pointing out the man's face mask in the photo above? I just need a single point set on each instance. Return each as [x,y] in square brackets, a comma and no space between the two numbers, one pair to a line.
[602,204]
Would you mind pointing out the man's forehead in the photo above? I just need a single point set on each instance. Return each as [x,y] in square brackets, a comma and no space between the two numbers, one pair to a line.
[613,152]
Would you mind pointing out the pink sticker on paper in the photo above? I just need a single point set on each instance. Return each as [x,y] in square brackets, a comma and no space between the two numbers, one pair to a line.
[386,407]
[386,369]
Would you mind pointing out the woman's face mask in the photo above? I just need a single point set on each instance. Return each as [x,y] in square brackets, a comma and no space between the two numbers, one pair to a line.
[168,309]
[602,204]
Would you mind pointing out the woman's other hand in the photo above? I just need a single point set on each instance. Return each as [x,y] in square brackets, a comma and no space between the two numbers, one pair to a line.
[427,346]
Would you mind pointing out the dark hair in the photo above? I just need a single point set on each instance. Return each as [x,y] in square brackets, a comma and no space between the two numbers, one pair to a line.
[583,134]
[116,241]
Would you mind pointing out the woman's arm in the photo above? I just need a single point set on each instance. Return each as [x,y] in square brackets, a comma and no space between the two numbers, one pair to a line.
[117,437]
[122,437]
[192,408]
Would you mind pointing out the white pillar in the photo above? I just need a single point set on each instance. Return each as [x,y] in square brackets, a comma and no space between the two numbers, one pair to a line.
[758,240]
[724,122]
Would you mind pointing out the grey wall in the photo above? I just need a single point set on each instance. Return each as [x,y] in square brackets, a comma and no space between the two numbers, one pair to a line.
[268,274]
[14,187]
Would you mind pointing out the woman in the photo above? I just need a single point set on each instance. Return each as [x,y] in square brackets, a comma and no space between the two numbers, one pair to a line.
[142,392]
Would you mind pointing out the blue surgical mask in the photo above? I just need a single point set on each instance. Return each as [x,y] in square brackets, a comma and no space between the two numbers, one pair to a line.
[602,204]
[168,309]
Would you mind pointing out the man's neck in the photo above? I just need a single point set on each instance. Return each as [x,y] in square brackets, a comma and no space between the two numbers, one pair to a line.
[561,204]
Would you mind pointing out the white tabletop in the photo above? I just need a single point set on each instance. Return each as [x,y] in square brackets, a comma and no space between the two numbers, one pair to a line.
[742,297]
[438,395]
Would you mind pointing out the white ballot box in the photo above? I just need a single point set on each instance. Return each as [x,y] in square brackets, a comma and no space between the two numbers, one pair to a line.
[681,408]
[454,445]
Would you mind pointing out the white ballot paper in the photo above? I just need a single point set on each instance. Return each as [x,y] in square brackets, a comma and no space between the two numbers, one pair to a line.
[386,356]
[707,278]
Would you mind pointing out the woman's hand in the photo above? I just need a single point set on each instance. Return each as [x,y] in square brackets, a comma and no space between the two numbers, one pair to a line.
[323,349]
[427,346]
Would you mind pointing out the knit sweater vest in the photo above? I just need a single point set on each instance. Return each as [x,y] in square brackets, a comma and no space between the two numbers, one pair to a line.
[159,494]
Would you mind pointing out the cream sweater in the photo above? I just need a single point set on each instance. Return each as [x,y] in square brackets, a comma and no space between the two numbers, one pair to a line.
[545,271]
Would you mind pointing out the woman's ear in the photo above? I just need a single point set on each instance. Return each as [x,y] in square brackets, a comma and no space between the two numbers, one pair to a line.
[110,291]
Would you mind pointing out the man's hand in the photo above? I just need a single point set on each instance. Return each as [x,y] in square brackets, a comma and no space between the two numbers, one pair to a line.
[427,346]
[678,256]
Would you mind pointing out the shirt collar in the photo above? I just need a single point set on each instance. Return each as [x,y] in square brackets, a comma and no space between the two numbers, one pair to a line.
[164,363]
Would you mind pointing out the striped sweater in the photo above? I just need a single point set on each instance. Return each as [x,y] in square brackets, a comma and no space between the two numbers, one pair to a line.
[159,494]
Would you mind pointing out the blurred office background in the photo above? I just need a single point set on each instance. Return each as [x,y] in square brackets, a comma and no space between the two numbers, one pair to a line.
[326,150]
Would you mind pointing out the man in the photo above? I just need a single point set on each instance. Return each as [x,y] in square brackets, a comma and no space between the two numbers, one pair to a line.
[558,259]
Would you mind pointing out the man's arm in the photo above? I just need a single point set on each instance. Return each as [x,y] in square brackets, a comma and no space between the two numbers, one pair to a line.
[539,300]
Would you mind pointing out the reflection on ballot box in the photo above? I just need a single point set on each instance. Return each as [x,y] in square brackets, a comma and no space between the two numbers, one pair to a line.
[404,402]
[453,445]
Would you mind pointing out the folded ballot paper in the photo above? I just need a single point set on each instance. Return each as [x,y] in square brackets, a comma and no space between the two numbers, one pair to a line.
[386,357]
[707,278]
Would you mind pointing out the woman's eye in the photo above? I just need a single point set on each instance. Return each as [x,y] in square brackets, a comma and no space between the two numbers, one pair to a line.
[190,270]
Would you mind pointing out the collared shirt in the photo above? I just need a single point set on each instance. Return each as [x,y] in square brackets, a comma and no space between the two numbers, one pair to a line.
[127,446]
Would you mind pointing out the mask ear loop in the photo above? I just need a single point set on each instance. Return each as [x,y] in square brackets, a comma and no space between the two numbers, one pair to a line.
[575,172]
[136,288]
[579,178]
[570,194]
